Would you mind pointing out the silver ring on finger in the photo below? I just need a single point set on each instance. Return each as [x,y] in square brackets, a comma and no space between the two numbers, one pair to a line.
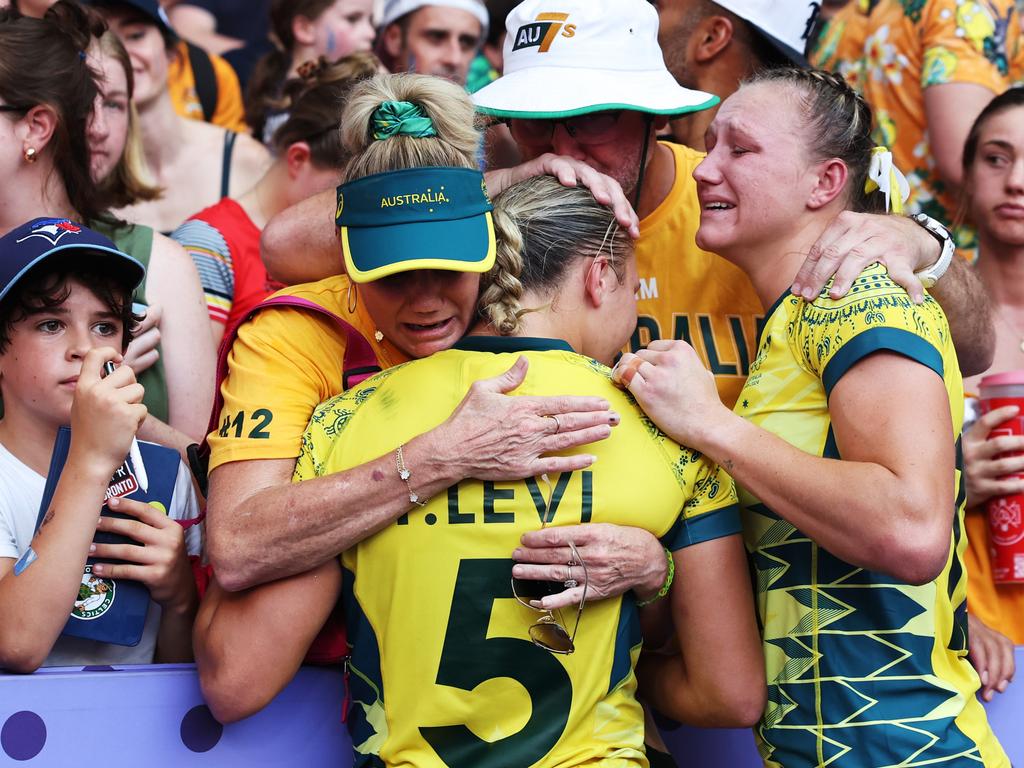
[570,583]
[558,424]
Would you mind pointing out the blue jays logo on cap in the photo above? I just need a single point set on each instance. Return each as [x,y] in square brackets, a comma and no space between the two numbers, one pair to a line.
[420,218]
[35,241]
[52,230]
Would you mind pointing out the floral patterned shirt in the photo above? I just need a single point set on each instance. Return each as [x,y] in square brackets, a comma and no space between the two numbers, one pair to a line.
[892,50]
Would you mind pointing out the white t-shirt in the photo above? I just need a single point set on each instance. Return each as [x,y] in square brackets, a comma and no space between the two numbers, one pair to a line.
[21,492]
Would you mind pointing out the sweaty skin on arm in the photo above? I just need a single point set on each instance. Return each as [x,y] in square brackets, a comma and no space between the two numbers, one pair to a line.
[950,110]
[231,658]
[717,679]
[886,506]
[188,352]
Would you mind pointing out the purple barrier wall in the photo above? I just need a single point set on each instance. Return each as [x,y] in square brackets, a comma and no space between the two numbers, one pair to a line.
[154,716]
[700,748]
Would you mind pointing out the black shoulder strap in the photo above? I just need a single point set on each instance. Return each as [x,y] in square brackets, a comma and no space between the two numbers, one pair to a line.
[225,168]
[206,79]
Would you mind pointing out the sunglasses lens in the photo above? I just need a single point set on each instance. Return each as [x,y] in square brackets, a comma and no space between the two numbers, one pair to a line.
[549,635]
[531,132]
[594,128]
[530,589]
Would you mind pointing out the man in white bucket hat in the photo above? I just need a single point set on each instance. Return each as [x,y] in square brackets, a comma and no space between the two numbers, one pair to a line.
[584,79]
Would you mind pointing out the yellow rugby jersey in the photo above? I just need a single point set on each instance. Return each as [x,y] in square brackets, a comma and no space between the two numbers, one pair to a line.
[863,670]
[691,294]
[284,363]
[443,671]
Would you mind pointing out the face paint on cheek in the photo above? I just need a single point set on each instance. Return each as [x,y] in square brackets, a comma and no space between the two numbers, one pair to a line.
[411,66]
[332,42]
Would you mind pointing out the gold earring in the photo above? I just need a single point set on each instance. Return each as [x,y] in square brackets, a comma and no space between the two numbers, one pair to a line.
[353,297]
[30,155]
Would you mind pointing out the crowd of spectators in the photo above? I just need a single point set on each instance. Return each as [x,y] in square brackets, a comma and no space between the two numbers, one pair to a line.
[377,273]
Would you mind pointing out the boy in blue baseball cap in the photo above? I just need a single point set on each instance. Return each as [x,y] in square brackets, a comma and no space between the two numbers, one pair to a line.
[65,313]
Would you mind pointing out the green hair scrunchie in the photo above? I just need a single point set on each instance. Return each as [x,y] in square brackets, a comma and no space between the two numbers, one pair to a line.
[401,118]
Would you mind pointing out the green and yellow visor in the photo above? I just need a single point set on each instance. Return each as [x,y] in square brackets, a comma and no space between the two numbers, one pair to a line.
[421,218]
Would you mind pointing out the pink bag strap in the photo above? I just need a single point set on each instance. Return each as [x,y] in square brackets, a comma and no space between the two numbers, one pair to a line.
[359,363]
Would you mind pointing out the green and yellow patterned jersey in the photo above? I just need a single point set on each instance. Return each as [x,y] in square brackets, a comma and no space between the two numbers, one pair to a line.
[443,671]
[863,670]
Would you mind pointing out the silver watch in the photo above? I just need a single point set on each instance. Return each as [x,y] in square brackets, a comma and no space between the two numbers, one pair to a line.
[930,275]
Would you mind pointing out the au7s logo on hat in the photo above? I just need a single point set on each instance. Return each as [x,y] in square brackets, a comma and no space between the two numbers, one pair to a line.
[542,32]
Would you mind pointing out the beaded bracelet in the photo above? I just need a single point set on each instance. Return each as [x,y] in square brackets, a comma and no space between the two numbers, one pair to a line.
[664,587]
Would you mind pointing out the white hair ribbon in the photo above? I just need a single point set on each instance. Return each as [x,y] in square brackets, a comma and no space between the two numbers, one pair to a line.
[887,178]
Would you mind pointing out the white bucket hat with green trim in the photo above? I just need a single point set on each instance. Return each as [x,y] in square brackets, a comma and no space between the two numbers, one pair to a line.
[573,57]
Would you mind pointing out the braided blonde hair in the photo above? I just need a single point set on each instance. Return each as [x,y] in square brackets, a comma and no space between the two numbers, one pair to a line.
[542,228]
[839,123]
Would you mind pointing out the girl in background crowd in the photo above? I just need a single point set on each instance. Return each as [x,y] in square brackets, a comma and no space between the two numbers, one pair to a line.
[305,31]
[843,445]
[176,372]
[224,240]
[56,113]
[195,163]
[993,162]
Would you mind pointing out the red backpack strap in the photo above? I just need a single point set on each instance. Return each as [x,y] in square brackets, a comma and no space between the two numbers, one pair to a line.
[359,363]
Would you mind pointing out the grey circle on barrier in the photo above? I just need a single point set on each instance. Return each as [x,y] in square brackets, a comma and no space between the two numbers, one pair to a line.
[23,735]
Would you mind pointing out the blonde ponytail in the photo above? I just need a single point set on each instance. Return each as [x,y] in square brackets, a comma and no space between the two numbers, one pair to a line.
[457,140]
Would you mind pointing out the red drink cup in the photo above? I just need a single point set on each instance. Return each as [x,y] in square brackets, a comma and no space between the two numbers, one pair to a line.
[1006,513]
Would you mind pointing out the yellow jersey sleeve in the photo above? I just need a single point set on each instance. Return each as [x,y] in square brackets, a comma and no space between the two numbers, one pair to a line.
[877,315]
[284,362]
[711,510]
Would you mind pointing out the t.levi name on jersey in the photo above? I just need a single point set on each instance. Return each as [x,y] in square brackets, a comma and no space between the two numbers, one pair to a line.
[711,331]
[123,482]
[482,503]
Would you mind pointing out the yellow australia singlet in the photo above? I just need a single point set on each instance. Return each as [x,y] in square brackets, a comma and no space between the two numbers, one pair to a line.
[863,670]
[443,672]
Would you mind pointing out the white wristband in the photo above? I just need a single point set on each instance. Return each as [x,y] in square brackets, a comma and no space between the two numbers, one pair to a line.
[930,275]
